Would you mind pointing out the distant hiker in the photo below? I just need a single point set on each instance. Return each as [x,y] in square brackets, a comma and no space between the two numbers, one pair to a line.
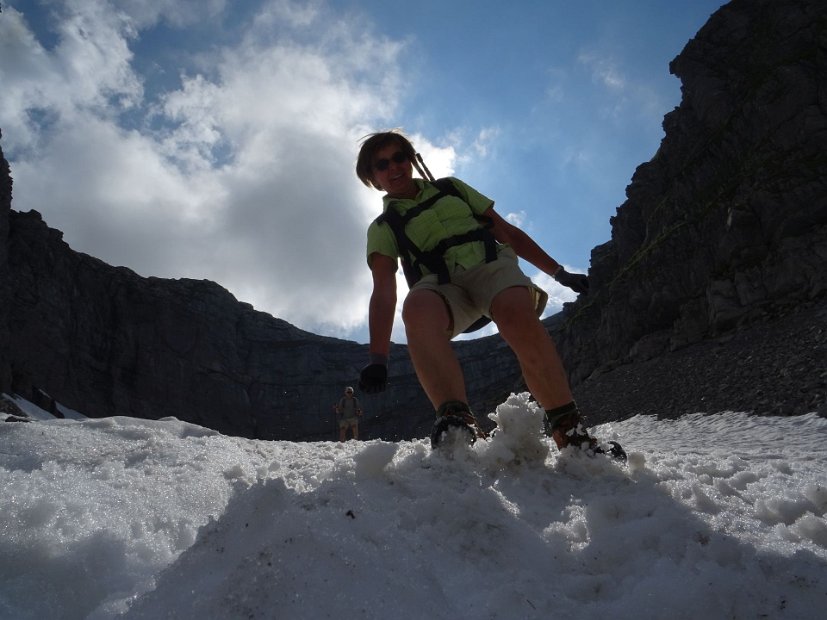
[348,412]
[460,259]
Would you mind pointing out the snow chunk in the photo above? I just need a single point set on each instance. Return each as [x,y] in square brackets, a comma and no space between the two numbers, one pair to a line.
[372,461]
[519,434]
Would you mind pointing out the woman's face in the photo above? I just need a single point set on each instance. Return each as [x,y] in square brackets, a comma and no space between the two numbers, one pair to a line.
[393,172]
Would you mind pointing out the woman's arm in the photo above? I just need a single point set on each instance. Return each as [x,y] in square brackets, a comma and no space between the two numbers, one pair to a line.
[382,308]
[527,249]
[524,246]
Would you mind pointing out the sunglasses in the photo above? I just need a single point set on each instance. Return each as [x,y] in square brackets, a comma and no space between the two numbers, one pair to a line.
[384,163]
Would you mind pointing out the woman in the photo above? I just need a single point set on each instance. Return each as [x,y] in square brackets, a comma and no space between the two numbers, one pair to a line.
[444,232]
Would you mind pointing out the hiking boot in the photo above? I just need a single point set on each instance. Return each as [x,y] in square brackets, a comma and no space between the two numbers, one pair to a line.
[565,426]
[566,429]
[455,414]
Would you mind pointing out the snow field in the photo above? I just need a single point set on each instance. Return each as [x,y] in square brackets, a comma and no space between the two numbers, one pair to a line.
[719,516]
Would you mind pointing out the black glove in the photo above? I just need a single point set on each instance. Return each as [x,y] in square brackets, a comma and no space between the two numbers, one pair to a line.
[577,282]
[373,378]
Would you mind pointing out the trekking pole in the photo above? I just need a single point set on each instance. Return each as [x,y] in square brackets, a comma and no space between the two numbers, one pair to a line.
[419,161]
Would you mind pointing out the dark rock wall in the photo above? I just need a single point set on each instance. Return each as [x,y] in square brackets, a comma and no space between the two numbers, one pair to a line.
[726,224]
[105,341]
[5,294]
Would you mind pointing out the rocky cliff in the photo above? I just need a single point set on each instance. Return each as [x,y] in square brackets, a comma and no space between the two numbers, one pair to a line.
[105,341]
[5,209]
[726,227]
[709,295]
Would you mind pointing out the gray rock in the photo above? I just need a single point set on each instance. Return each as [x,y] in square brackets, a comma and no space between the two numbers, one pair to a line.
[5,302]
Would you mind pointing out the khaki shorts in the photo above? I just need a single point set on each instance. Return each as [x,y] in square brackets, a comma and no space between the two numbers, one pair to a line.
[346,423]
[470,293]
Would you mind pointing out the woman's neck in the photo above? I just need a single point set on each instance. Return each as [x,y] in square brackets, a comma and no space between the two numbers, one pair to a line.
[408,193]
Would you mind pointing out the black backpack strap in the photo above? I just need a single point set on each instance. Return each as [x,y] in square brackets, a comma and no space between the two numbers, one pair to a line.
[480,234]
[413,258]
[446,185]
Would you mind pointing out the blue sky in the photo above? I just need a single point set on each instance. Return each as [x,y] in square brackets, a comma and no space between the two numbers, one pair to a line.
[215,139]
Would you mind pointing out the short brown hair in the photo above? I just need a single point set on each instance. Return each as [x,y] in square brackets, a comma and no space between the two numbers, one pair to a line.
[375,142]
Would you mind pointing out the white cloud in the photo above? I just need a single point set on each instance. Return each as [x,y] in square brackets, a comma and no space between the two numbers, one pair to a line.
[626,96]
[246,175]
[86,73]
[440,160]
[516,218]
[604,70]
[179,13]
[482,144]
[287,12]
[462,149]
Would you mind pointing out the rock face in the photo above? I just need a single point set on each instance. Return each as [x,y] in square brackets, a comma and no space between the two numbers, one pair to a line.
[727,224]
[710,292]
[5,208]
[106,341]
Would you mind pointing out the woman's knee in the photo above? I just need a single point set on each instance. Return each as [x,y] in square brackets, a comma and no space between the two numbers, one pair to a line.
[425,308]
[513,309]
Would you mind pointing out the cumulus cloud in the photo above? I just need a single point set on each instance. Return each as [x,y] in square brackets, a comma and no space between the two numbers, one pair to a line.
[241,174]
[87,73]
